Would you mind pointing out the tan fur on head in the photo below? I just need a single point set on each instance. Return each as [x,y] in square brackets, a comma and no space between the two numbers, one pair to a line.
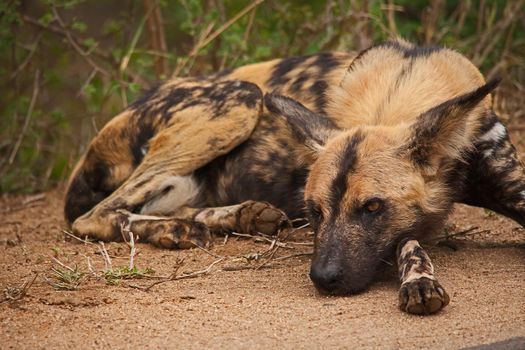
[380,171]
[384,87]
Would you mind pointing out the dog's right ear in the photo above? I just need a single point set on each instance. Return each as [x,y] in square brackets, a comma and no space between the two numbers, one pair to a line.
[312,129]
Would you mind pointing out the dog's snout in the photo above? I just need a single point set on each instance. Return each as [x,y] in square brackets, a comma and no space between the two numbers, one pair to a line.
[327,278]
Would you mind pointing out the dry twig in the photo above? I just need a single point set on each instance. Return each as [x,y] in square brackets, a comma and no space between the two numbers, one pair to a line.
[29,202]
[225,26]
[85,241]
[126,229]
[174,276]
[460,233]
[206,39]
[157,36]
[34,96]
[84,54]
[62,264]
[28,58]
[105,256]
[18,292]
[207,251]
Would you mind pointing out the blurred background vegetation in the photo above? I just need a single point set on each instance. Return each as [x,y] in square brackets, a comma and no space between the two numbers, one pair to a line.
[68,66]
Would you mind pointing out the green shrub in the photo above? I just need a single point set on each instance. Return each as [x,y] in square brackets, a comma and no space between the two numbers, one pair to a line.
[67,67]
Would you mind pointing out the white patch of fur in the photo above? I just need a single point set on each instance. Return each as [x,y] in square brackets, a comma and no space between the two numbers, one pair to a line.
[523,194]
[219,216]
[184,190]
[495,134]
[414,276]
[138,217]
[411,275]
[408,247]
[218,212]
[488,153]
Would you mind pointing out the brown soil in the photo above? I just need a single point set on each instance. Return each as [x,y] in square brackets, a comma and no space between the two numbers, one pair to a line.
[275,306]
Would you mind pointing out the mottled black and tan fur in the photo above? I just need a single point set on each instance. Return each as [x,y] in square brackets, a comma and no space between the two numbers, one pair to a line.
[377,147]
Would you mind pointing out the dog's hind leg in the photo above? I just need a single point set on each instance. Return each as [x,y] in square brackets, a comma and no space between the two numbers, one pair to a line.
[495,177]
[123,211]
[163,181]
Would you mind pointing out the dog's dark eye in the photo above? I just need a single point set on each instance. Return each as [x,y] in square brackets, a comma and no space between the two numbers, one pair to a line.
[315,215]
[373,206]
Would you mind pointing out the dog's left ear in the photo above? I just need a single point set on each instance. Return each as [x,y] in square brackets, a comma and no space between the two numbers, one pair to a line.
[440,132]
[313,129]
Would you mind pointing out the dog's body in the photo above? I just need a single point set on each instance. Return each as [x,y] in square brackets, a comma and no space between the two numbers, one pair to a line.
[379,146]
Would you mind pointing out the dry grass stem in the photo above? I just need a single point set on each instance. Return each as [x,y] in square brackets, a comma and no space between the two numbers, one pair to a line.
[225,26]
[107,260]
[207,251]
[132,251]
[125,230]
[65,277]
[205,38]
[62,264]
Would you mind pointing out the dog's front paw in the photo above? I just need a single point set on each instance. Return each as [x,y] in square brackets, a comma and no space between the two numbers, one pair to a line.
[422,296]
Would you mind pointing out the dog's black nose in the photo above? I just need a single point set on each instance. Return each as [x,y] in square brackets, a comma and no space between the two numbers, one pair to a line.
[327,278]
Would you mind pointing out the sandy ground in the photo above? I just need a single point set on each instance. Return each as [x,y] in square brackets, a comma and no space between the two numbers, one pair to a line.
[235,306]
[275,306]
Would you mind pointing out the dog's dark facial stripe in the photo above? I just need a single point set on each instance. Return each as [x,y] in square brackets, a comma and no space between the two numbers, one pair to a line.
[348,160]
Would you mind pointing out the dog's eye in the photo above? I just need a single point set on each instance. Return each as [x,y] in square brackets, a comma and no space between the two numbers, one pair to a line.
[374,205]
[315,215]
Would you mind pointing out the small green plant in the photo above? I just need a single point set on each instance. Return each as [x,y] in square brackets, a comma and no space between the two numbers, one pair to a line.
[489,213]
[66,279]
[56,252]
[116,275]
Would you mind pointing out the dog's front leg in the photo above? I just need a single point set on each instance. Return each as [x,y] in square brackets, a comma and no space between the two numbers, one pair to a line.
[247,217]
[420,292]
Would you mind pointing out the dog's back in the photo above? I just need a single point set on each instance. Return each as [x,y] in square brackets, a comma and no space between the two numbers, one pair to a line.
[387,86]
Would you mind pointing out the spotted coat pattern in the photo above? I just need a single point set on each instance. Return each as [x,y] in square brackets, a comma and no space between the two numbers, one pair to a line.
[374,148]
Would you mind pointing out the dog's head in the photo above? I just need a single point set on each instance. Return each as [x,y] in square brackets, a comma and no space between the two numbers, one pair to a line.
[374,184]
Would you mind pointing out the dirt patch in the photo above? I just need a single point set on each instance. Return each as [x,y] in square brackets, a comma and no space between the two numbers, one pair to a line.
[274,306]
[235,306]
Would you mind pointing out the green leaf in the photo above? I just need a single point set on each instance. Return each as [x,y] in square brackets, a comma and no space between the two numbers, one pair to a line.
[79,26]
[89,90]
[89,42]
[134,87]
[46,19]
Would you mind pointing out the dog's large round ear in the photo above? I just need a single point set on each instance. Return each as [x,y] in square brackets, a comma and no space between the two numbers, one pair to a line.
[312,129]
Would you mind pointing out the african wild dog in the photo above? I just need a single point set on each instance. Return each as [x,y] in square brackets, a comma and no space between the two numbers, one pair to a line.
[377,147]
